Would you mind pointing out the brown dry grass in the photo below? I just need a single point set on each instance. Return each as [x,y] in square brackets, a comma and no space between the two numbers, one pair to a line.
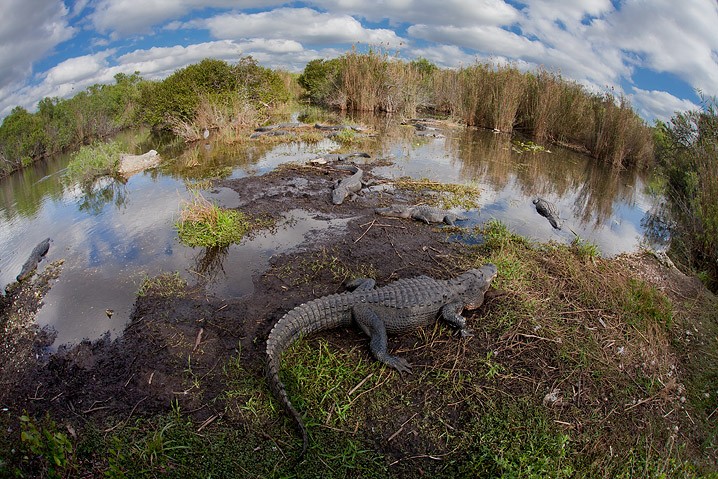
[227,119]
[499,97]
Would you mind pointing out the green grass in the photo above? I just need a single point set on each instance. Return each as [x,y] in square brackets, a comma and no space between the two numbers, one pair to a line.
[585,249]
[515,440]
[205,224]
[93,161]
[321,379]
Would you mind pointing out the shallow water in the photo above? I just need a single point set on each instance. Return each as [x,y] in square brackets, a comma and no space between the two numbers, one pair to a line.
[114,237]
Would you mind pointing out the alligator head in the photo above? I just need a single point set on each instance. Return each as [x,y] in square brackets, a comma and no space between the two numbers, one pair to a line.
[475,282]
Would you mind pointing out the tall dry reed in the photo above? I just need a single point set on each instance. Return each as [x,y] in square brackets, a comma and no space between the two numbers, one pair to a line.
[224,117]
[497,97]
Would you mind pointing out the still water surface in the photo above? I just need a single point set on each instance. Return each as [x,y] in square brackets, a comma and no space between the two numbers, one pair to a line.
[118,234]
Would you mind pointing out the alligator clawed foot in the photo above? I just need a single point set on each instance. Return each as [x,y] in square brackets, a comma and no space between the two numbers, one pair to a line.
[400,364]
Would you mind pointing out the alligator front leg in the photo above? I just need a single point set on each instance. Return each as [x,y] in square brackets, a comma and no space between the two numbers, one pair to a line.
[450,220]
[420,216]
[374,327]
[451,313]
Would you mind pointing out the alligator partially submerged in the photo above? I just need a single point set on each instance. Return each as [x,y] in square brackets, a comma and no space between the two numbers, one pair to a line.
[34,259]
[427,214]
[549,211]
[397,308]
[348,186]
[344,156]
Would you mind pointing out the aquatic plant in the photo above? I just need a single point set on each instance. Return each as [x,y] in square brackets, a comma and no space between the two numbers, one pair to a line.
[442,195]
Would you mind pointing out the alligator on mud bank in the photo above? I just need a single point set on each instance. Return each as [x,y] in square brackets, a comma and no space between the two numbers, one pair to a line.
[347,187]
[397,308]
[427,214]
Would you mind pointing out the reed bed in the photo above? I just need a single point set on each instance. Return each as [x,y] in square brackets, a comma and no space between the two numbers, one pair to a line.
[223,117]
[540,103]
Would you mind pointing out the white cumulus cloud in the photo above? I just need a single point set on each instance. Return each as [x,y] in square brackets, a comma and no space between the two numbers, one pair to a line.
[301,24]
[660,105]
[28,31]
[128,17]
[449,12]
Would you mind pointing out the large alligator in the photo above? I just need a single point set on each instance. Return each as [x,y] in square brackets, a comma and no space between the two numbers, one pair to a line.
[348,186]
[427,214]
[396,308]
[549,211]
[35,257]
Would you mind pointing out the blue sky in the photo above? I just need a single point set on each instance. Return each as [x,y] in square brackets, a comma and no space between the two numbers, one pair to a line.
[658,53]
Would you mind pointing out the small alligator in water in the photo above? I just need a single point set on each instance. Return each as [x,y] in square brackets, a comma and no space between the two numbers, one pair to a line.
[344,156]
[35,257]
[397,308]
[348,186]
[549,211]
[427,214]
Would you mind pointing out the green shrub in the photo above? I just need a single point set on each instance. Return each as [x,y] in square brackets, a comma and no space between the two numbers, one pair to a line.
[687,149]
[93,161]
[319,79]
[45,446]
[178,97]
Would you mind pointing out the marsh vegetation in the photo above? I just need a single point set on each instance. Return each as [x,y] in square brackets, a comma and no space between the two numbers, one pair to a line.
[540,103]
[583,366]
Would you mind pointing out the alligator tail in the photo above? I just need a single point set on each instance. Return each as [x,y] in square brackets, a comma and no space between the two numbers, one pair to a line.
[352,168]
[320,314]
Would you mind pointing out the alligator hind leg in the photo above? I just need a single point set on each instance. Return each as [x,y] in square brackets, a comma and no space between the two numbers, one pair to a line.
[374,327]
[360,284]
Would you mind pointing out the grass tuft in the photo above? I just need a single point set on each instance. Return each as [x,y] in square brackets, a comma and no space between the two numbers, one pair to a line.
[202,223]
[164,285]
[93,161]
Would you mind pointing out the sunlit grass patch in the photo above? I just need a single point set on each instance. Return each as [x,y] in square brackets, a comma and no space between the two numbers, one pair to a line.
[328,383]
[515,439]
[203,223]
